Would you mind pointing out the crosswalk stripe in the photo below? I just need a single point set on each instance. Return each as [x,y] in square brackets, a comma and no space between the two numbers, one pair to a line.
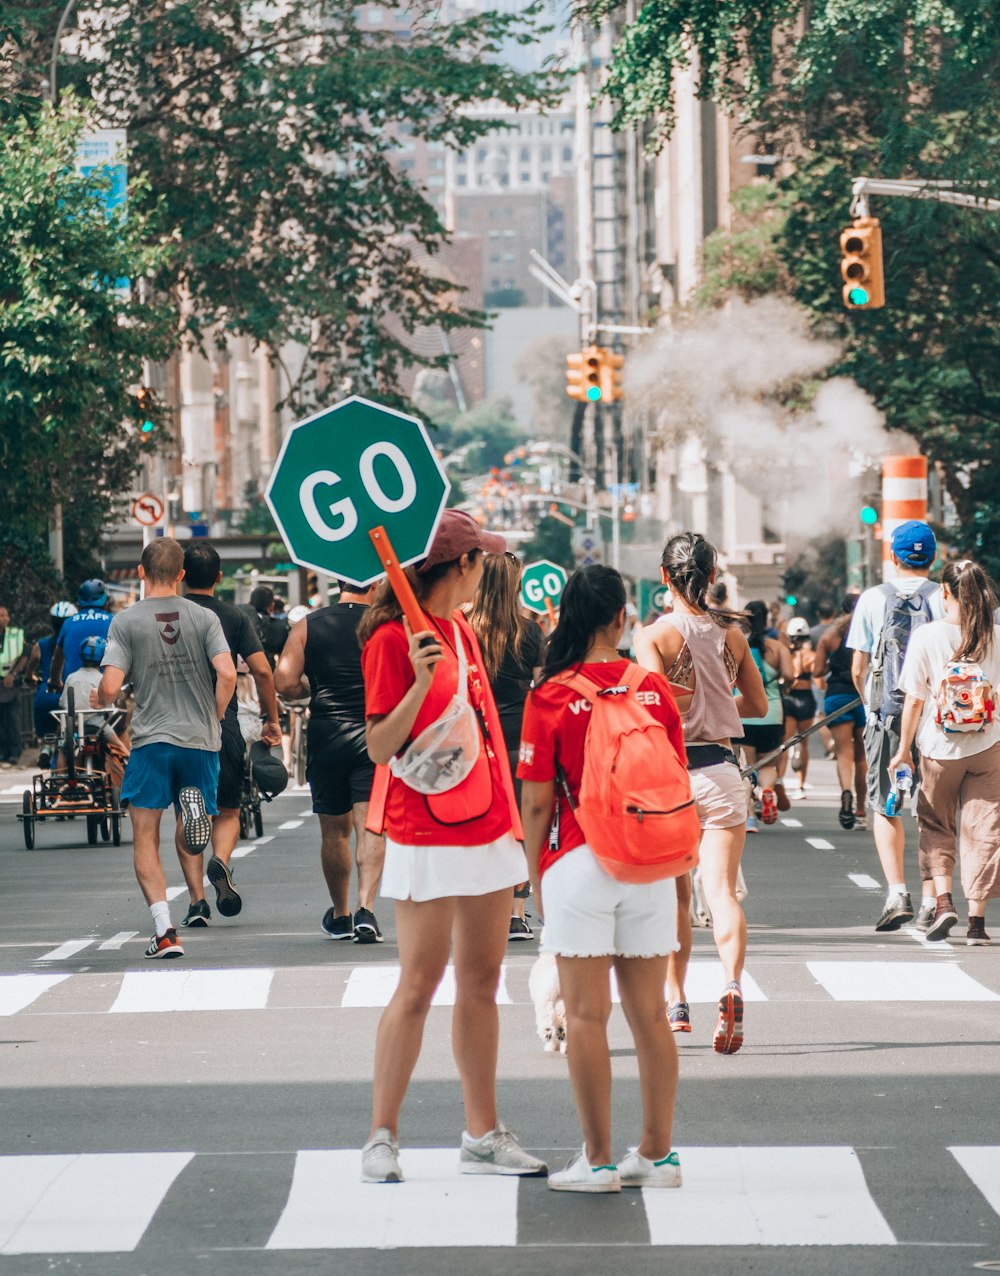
[982,1164]
[18,991]
[704,983]
[374,986]
[67,950]
[820,843]
[163,990]
[91,1203]
[898,981]
[864,881]
[117,941]
[767,1196]
[289,825]
[330,1208]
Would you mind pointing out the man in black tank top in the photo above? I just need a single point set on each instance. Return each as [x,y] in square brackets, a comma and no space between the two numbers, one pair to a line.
[322,650]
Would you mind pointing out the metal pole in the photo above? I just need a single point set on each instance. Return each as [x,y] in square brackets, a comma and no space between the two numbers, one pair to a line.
[616,523]
[583,145]
[53,85]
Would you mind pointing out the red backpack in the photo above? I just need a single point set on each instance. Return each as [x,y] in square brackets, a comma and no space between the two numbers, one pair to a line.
[635,806]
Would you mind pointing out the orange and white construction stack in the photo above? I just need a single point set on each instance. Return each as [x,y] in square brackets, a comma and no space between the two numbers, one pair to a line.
[904,496]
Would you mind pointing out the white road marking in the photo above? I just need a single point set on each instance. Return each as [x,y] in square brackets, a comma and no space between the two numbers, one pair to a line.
[306,814]
[18,991]
[289,825]
[982,1164]
[240,851]
[767,1196]
[174,891]
[939,946]
[374,986]
[864,881]
[330,1208]
[898,981]
[69,949]
[144,991]
[260,841]
[789,823]
[117,941]
[820,843]
[93,1203]
[705,982]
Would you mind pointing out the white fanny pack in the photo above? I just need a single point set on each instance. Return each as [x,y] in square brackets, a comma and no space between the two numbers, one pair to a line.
[444,753]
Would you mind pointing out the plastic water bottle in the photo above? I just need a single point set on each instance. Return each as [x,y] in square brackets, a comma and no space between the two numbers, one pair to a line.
[902,784]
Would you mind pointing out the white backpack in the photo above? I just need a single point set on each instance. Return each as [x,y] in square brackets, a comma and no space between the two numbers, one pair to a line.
[964,698]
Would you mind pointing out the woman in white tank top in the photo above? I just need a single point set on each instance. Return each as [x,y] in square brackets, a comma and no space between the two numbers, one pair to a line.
[704,654]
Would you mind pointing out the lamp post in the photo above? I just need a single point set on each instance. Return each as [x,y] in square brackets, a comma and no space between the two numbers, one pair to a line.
[54,59]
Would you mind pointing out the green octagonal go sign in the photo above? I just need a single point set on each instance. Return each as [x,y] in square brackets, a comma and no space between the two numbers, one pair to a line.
[540,581]
[350,468]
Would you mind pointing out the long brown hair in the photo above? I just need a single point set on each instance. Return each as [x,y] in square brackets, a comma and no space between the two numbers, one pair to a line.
[385,605]
[496,615]
[977,602]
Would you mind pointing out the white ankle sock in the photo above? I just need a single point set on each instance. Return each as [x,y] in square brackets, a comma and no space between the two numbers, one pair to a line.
[928,901]
[161,916]
[897,888]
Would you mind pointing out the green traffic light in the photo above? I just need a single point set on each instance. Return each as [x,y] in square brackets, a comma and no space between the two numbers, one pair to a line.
[147,427]
[858,297]
[594,393]
[791,600]
[869,515]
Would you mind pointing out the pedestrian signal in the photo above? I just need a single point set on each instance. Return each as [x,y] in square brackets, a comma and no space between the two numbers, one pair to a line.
[861,265]
[611,375]
[869,515]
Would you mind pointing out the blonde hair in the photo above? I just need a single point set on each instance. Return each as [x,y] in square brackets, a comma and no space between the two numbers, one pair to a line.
[496,615]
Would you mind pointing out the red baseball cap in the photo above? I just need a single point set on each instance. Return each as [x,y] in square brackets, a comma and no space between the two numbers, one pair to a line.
[458,533]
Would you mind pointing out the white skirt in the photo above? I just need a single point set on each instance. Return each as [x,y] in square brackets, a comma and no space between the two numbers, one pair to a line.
[439,872]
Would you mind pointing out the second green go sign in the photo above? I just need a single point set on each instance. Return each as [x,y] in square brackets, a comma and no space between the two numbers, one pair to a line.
[350,468]
[539,581]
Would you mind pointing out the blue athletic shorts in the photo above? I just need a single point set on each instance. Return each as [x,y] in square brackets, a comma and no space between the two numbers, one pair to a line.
[855,715]
[156,773]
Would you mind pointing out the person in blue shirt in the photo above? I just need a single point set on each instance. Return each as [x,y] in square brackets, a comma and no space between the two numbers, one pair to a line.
[92,620]
[40,668]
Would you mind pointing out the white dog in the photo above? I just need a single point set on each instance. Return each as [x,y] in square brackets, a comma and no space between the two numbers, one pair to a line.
[550,1010]
[701,914]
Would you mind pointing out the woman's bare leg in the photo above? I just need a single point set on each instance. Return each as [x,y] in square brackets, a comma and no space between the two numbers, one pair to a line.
[640,982]
[585,984]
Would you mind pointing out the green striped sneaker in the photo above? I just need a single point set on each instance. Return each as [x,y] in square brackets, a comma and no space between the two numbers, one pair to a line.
[580,1176]
[636,1171]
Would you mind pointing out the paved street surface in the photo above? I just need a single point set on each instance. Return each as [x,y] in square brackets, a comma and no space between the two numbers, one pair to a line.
[206,1115]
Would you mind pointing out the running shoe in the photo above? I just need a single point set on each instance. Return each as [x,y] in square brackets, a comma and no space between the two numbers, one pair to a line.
[227,897]
[366,929]
[195,820]
[334,927]
[167,945]
[976,936]
[896,913]
[497,1153]
[198,914]
[635,1170]
[796,758]
[580,1176]
[781,796]
[380,1159]
[519,929]
[729,1030]
[679,1017]
[752,825]
[944,918]
[925,915]
[846,813]
[768,807]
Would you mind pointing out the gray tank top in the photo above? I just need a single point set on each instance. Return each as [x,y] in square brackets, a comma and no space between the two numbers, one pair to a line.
[712,713]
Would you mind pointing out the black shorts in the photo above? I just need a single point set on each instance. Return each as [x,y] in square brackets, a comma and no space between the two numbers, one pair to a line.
[800,705]
[764,737]
[232,759]
[338,768]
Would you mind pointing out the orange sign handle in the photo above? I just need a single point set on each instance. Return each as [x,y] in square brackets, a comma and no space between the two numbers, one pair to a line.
[550,608]
[401,586]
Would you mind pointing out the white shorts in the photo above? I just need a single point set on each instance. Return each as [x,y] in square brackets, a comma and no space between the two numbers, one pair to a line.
[440,872]
[588,913]
[720,796]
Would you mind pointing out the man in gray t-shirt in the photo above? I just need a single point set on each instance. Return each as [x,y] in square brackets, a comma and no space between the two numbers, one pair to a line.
[169,648]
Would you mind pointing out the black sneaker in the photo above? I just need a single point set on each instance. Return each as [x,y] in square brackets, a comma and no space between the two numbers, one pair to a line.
[976,936]
[227,897]
[519,929]
[366,929]
[195,820]
[334,927]
[846,812]
[925,915]
[897,912]
[944,918]
[198,914]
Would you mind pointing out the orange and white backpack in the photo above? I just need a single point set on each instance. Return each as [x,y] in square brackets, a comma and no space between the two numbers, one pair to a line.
[635,806]
[964,700]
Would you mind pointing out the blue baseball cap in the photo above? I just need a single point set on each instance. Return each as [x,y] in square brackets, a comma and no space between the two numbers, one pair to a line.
[914,544]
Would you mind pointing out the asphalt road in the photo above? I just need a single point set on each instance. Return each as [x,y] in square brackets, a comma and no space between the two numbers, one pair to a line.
[205,1115]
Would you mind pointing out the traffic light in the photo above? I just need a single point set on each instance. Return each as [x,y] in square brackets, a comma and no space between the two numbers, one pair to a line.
[583,375]
[611,375]
[593,362]
[869,515]
[144,410]
[861,265]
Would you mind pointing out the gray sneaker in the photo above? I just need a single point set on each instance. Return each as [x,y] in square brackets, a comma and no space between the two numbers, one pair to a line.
[497,1153]
[380,1159]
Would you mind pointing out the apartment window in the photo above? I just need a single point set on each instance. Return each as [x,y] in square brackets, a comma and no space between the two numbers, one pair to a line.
[375,17]
[461,179]
[495,259]
[567,155]
[509,234]
[546,175]
[546,154]
[525,155]
[494,234]
[525,176]
[509,257]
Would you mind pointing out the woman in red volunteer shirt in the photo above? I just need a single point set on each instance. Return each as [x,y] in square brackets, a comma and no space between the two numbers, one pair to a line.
[592,921]
[451,859]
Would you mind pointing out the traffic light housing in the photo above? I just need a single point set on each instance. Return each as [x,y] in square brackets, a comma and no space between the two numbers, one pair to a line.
[611,376]
[145,411]
[576,377]
[861,265]
[585,375]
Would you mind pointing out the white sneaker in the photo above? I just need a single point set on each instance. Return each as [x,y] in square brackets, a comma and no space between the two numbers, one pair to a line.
[380,1159]
[497,1153]
[580,1176]
[636,1171]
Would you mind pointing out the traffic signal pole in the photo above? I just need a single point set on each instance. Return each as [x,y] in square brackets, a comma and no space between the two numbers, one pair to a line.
[940,191]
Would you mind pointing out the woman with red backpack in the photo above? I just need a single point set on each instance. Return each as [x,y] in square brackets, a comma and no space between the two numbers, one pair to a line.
[452,857]
[596,920]
[950,676]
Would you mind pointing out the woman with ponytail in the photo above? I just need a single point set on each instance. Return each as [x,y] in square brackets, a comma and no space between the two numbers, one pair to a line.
[594,922]
[951,676]
[704,654]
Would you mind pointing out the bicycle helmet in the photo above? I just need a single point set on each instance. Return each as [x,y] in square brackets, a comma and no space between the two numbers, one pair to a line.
[92,593]
[798,627]
[92,651]
[62,611]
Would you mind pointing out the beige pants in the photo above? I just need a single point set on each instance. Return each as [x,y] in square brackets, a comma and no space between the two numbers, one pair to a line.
[975,782]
